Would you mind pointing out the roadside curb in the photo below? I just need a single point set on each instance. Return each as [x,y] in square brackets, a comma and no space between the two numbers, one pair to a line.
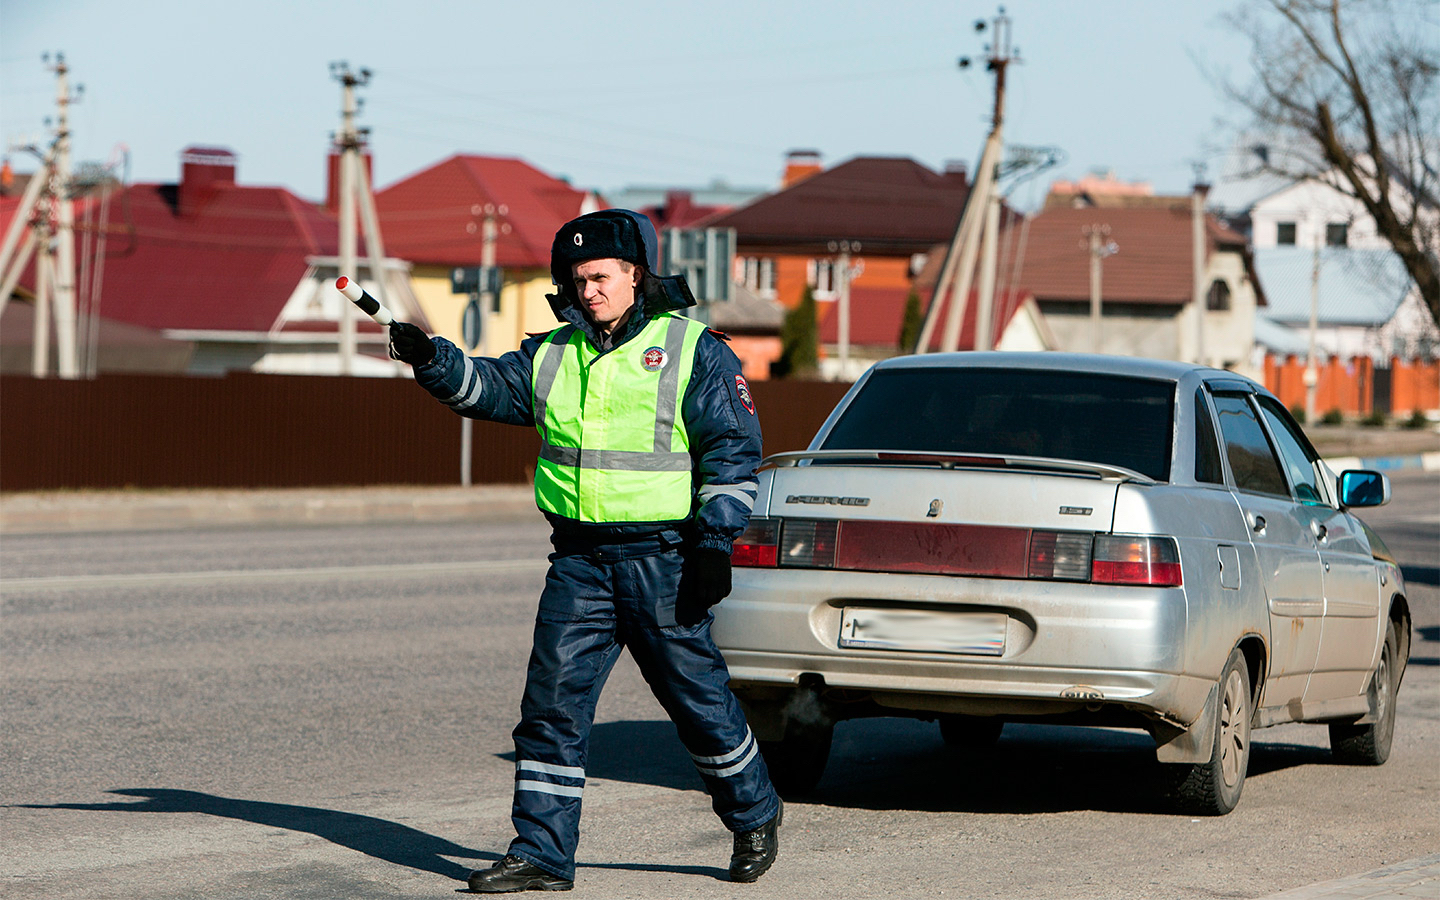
[65,511]
[1414,878]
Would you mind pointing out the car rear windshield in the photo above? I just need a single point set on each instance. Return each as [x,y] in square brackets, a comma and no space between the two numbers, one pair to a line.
[1107,419]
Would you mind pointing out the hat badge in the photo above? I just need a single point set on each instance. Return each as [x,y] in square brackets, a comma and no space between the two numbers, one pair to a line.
[578,239]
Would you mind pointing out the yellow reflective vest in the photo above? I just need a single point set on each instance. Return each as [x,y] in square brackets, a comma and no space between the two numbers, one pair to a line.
[613,444]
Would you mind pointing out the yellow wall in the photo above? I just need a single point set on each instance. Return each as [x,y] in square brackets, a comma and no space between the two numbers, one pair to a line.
[523,307]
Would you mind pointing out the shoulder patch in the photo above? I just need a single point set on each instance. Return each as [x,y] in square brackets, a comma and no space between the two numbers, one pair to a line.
[742,391]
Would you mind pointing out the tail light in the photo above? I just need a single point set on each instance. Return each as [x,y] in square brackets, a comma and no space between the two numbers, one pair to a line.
[759,545]
[1062,555]
[809,543]
[1133,559]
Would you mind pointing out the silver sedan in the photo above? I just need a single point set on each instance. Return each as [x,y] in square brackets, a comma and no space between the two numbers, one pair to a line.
[980,538]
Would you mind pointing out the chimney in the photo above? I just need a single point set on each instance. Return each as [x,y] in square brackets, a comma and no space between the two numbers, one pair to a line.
[203,172]
[957,169]
[800,165]
[332,177]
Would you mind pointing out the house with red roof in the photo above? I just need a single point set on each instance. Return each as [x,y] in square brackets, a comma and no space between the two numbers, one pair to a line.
[242,274]
[435,219]
[1146,280]
[891,212]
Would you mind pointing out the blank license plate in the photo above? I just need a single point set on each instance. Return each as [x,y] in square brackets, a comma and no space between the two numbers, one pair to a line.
[921,631]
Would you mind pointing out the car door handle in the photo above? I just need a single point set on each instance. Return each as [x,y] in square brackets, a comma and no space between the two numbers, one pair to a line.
[1257,524]
[1320,531]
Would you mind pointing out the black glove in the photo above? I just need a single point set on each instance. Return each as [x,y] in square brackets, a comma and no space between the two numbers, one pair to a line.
[409,344]
[704,582]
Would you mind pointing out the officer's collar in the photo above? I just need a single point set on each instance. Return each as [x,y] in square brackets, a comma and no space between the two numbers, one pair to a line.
[635,320]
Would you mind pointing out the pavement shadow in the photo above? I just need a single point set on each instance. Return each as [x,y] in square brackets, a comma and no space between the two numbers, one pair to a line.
[1421,574]
[886,764]
[380,838]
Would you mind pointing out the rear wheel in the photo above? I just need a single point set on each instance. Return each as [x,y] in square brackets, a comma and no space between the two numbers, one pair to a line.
[972,733]
[797,761]
[1369,745]
[1213,788]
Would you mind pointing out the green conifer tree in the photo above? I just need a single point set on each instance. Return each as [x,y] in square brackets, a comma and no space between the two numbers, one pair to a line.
[911,323]
[800,340]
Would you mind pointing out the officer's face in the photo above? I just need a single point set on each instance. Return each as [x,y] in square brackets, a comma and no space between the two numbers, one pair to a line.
[606,288]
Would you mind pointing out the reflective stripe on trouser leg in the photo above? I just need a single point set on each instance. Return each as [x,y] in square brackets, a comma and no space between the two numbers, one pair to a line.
[688,676]
[572,655]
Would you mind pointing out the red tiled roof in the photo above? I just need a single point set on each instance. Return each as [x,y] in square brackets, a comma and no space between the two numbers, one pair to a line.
[1153,263]
[428,217]
[889,204]
[229,266]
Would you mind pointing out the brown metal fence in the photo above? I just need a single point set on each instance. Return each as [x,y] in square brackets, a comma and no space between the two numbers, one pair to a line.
[250,430]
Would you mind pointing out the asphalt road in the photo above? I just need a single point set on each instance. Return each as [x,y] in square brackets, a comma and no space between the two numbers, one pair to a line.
[323,712]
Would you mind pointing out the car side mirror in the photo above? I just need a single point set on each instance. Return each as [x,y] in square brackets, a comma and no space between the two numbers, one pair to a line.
[1361,487]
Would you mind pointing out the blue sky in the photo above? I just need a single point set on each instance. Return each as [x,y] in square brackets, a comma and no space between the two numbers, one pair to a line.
[622,93]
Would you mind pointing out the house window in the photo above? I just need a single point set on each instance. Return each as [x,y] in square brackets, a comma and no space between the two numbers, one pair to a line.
[1218,297]
[1285,233]
[1337,234]
[821,274]
[759,275]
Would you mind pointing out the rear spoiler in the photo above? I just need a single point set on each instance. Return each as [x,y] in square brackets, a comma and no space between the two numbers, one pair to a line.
[959,461]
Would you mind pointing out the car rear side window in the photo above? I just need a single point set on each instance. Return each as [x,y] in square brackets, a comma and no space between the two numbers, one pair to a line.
[1252,462]
[1207,448]
[1106,419]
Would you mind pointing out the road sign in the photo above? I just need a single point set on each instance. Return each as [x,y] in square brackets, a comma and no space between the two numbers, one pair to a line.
[704,256]
[472,324]
[475,280]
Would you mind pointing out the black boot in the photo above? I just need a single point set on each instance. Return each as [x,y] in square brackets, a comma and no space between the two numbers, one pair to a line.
[515,874]
[755,851]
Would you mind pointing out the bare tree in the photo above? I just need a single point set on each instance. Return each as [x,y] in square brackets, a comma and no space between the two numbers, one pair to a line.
[1350,90]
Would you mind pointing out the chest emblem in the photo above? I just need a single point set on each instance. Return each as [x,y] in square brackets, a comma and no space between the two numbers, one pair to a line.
[654,359]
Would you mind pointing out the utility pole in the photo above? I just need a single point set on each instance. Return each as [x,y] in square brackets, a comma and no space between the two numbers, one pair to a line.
[44,226]
[980,217]
[64,272]
[1197,247]
[1312,376]
[482,303]
[355,197]
[1099,248]
[845,272]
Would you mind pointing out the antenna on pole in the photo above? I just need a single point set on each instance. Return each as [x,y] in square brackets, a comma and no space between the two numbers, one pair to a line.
[981,215]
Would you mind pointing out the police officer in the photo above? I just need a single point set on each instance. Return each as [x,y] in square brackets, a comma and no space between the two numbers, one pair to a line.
[649,445]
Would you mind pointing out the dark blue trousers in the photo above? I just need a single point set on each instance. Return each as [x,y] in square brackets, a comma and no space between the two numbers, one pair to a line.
[598,598]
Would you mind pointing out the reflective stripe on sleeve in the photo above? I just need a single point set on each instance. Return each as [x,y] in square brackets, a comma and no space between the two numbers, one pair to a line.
[469,393]
[744,492]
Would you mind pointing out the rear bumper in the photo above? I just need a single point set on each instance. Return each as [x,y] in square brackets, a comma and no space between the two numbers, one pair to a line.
[1067,646]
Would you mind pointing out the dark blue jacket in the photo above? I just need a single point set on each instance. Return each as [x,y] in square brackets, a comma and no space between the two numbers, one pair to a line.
[717,409]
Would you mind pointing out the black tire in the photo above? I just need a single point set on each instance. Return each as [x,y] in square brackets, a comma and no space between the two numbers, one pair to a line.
[1213,788]
[798,760]
[1369,745]
[970,733]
